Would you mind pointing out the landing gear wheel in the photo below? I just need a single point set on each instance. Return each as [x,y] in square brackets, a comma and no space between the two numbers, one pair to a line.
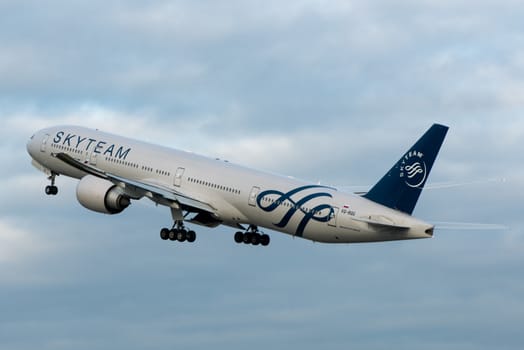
[255,239]
[264,240]
[164,233]
[252,236]
[191,236]
[239,237]
[181,235]
[178,233]
[51,190]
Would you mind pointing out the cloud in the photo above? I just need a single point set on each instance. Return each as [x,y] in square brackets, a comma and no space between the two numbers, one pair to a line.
[22,252]
[334,62]
[16,244]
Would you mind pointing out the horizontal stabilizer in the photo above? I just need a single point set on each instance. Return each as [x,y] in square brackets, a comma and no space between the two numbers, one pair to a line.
[380,221]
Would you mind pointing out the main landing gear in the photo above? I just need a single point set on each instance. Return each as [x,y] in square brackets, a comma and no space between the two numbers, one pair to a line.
[252,236]
[51,190]
[178,233]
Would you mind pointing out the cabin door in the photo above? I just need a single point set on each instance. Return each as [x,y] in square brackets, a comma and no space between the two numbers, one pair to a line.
[178,177]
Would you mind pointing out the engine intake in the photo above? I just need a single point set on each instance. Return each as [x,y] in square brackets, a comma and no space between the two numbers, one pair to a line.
[101,195]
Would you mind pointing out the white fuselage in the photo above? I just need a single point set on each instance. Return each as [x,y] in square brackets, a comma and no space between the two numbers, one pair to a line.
[238,194]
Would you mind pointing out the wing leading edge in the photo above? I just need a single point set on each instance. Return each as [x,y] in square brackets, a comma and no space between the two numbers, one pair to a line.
[137,189]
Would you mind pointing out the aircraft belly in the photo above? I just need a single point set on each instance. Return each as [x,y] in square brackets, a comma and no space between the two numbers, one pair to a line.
[229,214]
[357,233]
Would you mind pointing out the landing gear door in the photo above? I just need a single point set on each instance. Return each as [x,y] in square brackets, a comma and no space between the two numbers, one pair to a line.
[178,177]
[333,220]
[252,200]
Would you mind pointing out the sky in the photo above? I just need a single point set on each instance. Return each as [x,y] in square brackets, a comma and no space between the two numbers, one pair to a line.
[328,91]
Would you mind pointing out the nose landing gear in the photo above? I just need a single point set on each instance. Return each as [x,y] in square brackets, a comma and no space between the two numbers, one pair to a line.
[51,190]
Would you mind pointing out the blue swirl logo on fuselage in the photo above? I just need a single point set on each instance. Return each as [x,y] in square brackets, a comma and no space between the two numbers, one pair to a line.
[275,199]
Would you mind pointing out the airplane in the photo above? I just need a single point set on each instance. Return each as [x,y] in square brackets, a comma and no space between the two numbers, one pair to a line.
[113,171]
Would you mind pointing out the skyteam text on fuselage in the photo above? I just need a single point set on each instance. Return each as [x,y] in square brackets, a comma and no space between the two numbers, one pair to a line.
[114,170]
[87,144]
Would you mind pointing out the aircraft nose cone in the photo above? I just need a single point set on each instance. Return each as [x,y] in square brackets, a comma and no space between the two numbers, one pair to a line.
[33,145]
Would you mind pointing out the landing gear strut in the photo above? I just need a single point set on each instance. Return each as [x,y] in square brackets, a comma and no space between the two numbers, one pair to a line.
[51,190]
[252,236]
[178,233]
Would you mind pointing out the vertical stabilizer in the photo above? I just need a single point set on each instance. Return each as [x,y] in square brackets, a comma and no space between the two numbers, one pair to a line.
[400,188]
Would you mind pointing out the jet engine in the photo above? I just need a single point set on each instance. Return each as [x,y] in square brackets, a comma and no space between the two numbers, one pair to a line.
[101,195]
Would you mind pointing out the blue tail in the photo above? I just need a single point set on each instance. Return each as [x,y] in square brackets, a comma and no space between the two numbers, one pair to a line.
[401,186]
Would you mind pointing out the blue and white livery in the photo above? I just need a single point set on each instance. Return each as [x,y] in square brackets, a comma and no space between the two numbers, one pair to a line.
[114,171]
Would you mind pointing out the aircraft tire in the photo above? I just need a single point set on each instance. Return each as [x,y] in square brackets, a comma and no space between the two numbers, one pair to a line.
[239,237]
[264,240]
[255,239]
[191,236]
[164,233]
[181,235]
[51,190]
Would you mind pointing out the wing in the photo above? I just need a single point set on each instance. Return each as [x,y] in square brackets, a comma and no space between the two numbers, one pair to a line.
[137,189]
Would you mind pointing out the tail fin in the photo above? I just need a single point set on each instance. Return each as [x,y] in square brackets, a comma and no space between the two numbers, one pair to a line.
[401,186]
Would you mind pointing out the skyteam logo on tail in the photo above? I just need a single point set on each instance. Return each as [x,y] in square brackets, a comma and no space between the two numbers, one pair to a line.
[413,169]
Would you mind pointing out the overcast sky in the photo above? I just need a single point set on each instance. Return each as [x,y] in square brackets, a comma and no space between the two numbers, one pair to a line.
[330,91]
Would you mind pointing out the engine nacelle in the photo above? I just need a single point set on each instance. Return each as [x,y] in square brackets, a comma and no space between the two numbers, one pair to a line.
[101,195]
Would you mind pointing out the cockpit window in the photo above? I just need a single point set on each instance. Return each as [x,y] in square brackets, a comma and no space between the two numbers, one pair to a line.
[32,136]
